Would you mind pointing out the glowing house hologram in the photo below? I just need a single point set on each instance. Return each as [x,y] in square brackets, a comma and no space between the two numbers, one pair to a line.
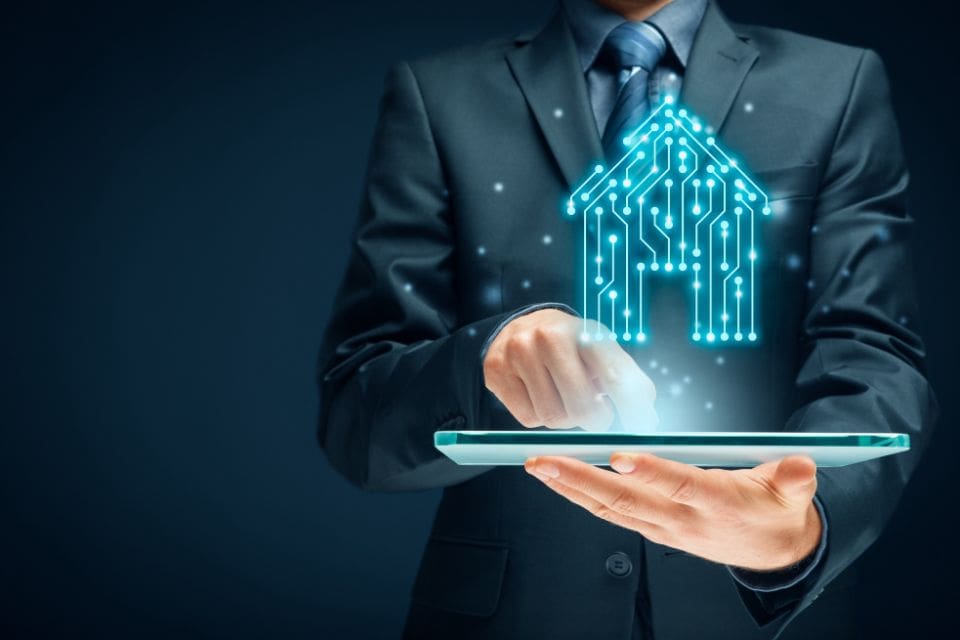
[676,204]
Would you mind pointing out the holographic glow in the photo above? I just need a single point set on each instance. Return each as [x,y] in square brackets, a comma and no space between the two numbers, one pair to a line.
[675,205]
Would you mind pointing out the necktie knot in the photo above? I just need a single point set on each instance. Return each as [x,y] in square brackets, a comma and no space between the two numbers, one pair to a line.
[634,44]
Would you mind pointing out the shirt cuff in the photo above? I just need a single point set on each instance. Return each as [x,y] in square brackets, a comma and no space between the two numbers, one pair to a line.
[769,581]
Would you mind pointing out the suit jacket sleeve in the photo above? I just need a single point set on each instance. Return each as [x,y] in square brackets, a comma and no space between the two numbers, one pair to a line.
[395,365]
[863,369]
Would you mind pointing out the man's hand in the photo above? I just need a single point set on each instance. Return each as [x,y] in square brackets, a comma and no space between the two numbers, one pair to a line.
[760,519]
[545,375]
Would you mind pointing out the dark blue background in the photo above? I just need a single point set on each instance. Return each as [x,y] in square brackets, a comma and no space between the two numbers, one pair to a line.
[179,181]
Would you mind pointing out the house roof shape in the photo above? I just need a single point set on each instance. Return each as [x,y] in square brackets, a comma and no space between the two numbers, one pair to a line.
[676,203]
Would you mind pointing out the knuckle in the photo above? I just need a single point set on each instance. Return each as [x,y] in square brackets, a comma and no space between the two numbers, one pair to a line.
[685,491]
[626,503]
[519,346]
[527,418]
[494,364]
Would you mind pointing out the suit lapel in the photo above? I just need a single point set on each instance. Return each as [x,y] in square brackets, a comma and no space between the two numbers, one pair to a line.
[549,74]
[719,62]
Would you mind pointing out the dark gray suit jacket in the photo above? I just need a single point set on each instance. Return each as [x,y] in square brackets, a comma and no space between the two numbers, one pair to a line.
[401,357]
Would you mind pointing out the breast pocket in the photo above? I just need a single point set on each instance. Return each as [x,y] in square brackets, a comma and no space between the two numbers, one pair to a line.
[792,192]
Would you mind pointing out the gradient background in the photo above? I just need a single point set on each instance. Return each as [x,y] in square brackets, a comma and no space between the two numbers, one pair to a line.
[178,185]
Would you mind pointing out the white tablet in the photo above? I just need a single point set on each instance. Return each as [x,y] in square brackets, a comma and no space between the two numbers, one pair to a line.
[705,449]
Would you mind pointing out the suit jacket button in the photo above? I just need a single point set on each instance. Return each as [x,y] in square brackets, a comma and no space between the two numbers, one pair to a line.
[619,565]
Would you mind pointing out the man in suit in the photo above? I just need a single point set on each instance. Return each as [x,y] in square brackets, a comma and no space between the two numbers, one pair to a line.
[455,313]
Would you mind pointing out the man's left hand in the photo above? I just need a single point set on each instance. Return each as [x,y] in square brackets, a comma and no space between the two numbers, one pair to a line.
[761,519]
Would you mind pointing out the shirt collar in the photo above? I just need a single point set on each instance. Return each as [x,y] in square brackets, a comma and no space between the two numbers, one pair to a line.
[591,23]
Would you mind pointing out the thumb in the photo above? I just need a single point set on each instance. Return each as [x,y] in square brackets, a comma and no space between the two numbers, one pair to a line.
[795,478]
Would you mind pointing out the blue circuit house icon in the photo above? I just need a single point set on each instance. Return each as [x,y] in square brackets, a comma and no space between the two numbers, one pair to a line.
[675,205]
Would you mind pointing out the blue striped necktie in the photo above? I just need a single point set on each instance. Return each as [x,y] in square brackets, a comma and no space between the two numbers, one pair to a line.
[633,49]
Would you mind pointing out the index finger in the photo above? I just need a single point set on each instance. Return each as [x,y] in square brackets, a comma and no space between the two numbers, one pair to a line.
[628,387]
[683,483]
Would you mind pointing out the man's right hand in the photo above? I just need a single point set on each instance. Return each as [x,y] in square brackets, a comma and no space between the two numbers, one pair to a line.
[547,375]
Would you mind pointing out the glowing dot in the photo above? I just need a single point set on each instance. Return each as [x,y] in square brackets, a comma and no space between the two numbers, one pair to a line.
[627,141]
[558,113]
[669,99]
[766,211]
[748,107]
[641,266]
[612,182]
[571,211]
[598,168]
[627,182]
[733,163]
[481,250]
[641,337]
[696,209]
[585,337]
[724,336]
[598,280]
[613,197]
[640,200]
[697,126]
[724,316]
[738,182]
[675,390]
[724,168]
[721,360]
[626,313]
[752,197]
[682,266]
[696,266]
[682,245]
[811,284]
[641,155]
[711,336]
[612,239]
[408,287]
[472,332]
[738,197]
[724,224]
[710,169]
[753,254]
[696,284]
[598,211]
[845,273]
[739,294]
[654,169]
[752,337]
[708,406]
[547,239]
[653,364]
[696,336]
[498,186]
[613,295]
[626,336]
[683,154]
[627,211]
[668,183]
[654,210]
[655,127]
[654,266]
[696,253]
[711,141]
[738,336]
[598,259]
[584,196]
[668,141]
[738,280]
[724,266]
[668,266]
[738,210]
[664,370]
[668,222]
[525,284]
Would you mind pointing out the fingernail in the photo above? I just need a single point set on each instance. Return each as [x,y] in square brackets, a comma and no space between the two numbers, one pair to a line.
[547,469]
[623,465]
